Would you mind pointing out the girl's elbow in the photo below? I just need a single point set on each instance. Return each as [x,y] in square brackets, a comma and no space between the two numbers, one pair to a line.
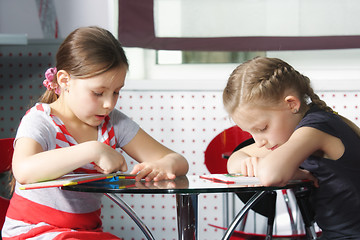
[271,183]
[20,178]
[21,174]
[185,168]
[271,180]
[184,165]
[232,165]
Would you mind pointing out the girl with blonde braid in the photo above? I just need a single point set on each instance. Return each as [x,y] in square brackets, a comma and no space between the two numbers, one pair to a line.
[297,136]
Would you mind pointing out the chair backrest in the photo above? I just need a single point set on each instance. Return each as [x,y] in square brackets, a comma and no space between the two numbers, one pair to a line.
[220,148]
[6,152]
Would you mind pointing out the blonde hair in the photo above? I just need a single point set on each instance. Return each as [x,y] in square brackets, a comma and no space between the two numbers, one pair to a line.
[265,80]
[87,52]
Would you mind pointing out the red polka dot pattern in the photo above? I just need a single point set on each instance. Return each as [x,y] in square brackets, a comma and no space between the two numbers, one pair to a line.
[22,71]
[184,121]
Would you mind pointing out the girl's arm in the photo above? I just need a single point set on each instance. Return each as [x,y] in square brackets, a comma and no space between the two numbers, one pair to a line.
[32,164]
[279,166]
[282,164]
[157,162]
[302,174]
[245,159]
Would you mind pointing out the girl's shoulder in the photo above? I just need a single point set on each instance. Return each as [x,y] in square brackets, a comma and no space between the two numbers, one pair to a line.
[319,118]
[39,109]
[38,115]
[38,125]
[119,118]
[115,113]
[125,128]
[327,122]
[37,118]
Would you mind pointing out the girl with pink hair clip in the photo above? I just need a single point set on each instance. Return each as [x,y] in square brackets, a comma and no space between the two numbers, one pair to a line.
[75,129]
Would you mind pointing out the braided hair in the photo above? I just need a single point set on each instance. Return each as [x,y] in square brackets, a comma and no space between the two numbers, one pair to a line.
[265,80]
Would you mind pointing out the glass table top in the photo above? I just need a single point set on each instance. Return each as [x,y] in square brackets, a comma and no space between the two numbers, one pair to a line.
[190,184]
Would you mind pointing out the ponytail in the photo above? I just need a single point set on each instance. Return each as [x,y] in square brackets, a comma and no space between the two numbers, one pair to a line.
[321,104]
[49,96]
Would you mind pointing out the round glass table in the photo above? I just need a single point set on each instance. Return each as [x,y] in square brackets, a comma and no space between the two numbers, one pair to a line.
[186,189]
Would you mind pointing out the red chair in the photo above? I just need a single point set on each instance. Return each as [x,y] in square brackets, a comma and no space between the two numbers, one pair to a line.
[216,156]
[6,152]
[220,148]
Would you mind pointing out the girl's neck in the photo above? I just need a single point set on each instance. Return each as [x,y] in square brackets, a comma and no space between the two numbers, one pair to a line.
[79,130]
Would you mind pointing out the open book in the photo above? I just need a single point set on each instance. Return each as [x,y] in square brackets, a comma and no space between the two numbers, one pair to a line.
[231,178]
[73,179]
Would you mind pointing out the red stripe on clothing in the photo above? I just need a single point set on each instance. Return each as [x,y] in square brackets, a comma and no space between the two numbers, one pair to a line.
[104,126]
[112,135]
[63,129]
[30,212]
[40,107]
[60,136]
[86,235]
[107,141]
[33,233]
[61,126]
[65,233]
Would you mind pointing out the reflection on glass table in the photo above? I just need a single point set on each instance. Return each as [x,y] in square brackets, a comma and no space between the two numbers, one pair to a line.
[187,189]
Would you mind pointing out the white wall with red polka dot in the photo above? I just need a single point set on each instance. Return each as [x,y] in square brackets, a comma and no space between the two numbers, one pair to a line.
[185,121]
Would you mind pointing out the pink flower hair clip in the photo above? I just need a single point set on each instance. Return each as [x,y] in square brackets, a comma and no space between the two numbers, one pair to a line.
[49,80]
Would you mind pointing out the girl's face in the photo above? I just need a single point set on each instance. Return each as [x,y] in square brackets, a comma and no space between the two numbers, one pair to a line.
[270,127]
[92,99]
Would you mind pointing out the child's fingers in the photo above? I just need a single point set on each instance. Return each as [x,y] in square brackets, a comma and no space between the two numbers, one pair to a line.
[249,167]
[159,176]
[152,175]
[164,176]
[136,169]
[243,169]
[254,162]
[97,168]
[143,172]
[149,173]
[171,176]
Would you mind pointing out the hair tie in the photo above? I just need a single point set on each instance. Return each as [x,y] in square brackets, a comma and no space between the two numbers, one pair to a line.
[49,80]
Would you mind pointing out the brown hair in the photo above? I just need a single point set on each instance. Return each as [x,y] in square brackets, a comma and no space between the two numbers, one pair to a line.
[87,52]
[266,80]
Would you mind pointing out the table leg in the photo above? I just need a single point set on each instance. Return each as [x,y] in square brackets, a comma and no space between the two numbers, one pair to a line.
[126,208]
[242,213]
[187,216]
[302,197]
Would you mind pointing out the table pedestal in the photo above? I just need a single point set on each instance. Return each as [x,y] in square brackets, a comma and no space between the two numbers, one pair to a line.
[187,216]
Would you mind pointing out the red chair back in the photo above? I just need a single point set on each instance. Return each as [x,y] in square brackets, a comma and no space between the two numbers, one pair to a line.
[6,153]
[220,148]
[4,204]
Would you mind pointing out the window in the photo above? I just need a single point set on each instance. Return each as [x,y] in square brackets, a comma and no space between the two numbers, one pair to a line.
[204,57]
[192,41]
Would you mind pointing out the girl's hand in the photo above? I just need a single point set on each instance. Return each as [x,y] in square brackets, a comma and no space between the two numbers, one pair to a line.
[303,174]
[246,160]
[152,171]
[109,160]
[248,166]
[156,162]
